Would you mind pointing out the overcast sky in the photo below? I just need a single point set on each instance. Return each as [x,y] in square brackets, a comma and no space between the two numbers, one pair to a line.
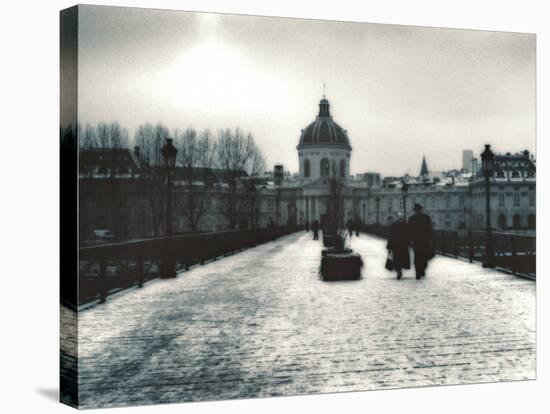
[400,91]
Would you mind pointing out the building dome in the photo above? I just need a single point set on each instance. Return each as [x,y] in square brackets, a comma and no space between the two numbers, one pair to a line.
[324,131]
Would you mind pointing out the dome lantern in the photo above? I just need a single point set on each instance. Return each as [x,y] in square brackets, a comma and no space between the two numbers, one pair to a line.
[324,108]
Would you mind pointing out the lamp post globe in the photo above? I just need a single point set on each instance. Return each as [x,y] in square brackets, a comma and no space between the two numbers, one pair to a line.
[487,166]
[169,153]
[487,160]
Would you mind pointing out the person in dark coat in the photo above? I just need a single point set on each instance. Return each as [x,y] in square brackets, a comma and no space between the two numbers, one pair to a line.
[420,230]
[349,225]
[357,225]
[398,245]
[315,229]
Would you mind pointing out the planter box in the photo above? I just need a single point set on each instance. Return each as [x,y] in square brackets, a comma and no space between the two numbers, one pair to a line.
[341,266]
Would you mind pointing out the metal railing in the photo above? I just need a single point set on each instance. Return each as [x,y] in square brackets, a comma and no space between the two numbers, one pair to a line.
[515,253]
[109,268]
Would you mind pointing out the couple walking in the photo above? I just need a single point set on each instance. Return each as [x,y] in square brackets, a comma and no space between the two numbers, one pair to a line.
[417,233]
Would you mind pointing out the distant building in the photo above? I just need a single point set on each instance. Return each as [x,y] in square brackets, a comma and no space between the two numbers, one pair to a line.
[467,157]
[424,172]
[456,200]
[111,195]
[114,187]
[444,196]
[371,179]
[475,166]
[513,193]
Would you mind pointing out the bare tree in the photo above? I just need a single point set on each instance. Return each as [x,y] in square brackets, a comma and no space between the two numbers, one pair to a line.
[102,135]
[150,139]
[118,136]
[236,156]
[195,154]
[87,137]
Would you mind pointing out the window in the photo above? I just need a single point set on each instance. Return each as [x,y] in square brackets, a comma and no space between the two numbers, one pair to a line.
[390,203]
[531,199]
[501,200]
[500,174]
[515,174]
[516,200]
[342,168]
[307,168]
[271,205]
[461,200]
[447,201]
[325,168]
[517,221]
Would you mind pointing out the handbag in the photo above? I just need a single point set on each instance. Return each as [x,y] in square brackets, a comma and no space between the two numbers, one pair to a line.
[389,262]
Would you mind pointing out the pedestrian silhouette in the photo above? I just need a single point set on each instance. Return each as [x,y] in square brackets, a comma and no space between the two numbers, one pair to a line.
[350,227]
[398,245]
[315,229]
[420,230]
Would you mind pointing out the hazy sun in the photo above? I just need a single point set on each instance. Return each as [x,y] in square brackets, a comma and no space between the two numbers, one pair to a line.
[214,76]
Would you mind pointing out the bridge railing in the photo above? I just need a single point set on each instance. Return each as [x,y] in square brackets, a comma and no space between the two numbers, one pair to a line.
[108,268]
[515,253]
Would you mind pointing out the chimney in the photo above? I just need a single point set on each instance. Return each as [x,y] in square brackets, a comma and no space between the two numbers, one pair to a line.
[278,173]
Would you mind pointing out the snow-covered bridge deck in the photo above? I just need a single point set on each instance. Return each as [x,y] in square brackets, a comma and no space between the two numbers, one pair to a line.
[262,323]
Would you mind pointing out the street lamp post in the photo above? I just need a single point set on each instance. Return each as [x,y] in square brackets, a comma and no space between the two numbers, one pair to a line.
[404,191]
[487,161]
[169,152]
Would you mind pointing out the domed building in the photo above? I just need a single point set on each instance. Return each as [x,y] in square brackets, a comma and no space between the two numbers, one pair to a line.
[324,147]
[324,151]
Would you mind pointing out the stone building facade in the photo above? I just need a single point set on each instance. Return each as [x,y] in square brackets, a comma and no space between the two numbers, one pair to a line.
[512,192]
[113,198]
